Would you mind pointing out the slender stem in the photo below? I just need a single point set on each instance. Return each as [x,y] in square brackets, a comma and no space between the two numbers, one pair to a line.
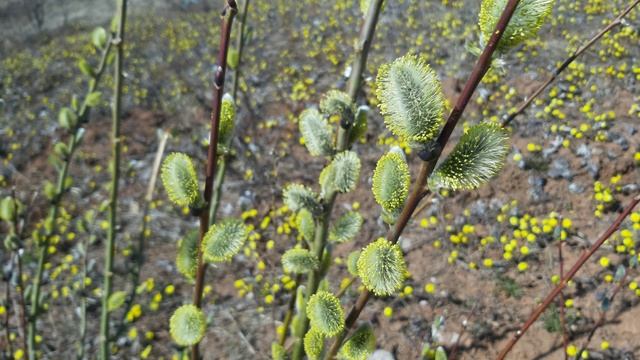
[419,191]
[21,303]
[603,314]
[217,193]
[84,296]
[615,22]
[290,309]
[35,299]
[74,141]
[116,146]
[240,40]
[138,254]
[7,331]
[359,64]
[343,289]
[563,320]
[319,244]
[228,14]
[572,272]
[22,307]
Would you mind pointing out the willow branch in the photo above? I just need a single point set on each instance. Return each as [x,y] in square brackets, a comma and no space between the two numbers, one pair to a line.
[572,272]
[615,22]
[290,309]
[419,190]
[563,319]
[229,12]
[74,141]
[359,64]
[240,40]
[116,149]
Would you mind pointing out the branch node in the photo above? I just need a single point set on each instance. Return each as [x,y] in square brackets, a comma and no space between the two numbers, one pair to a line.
[430,151]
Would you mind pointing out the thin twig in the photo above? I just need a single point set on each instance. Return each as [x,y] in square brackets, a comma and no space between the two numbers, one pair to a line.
[346,287]
[240,42]
[563,319]
[525,104]
[290,309]
[116,149]
[7,331]
[563,282]
[603,314]
[138,254]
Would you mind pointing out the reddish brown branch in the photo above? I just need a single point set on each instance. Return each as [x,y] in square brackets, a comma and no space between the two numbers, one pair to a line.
[603,315]
[563,319]
[229,12]
[572,272]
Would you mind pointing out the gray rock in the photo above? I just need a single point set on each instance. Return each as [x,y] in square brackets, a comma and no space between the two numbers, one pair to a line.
[593,169]
[583,151]
[576,188]
[381,355]
[620,140]
[629,129]
[560,169]
[555,145]
[405,243]
[630,189]
[479,208]
[536,191]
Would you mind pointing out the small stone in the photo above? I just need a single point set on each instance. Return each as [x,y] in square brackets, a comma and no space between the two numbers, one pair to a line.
[560,169]
[381,355]
[593,169]
[536,192]
[583,151]
[630,189]
[576,188]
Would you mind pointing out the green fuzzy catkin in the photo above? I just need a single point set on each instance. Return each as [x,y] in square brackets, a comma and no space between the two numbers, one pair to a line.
[360,345]
[7,209]
[187,325]
[478,156]
[277,352]
[391,181]
[299,261]
[528,18]
[180,180]
[346,227]
[186,258]
[99,37]
[411,99]
[359,128]
[381,267]
[298,197]
[336,102]
[316,132]
[116,300]
[313,344]
[325,313]
[305,224]
[341,174]
[224,240]
[352,262]
[227,120]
